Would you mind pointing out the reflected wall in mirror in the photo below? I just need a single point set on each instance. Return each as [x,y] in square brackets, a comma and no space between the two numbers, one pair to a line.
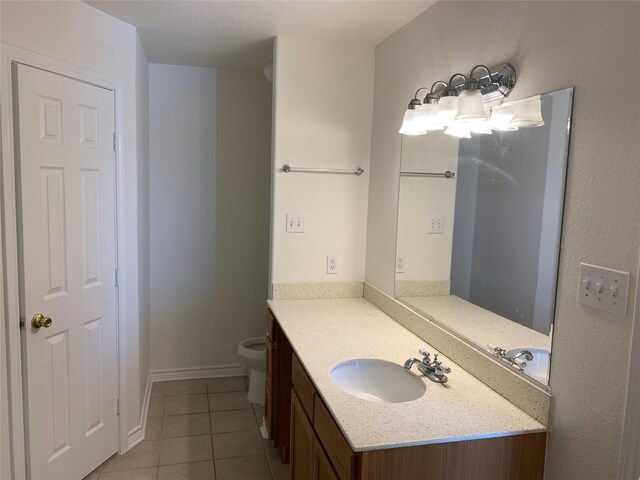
[478,251]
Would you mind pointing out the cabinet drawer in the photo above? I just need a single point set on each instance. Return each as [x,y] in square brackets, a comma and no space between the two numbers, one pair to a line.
[304,388]
[344,460]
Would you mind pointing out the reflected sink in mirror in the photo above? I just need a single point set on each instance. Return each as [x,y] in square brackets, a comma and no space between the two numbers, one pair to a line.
[377,381]
[538,368]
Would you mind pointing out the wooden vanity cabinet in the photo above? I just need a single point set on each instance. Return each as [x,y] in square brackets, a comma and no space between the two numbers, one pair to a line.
[278,387]
[320,451]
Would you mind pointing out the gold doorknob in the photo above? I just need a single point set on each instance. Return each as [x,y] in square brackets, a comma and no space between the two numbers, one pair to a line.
[40,320]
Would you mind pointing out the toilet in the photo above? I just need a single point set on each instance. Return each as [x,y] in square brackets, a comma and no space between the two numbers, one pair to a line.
[253,352]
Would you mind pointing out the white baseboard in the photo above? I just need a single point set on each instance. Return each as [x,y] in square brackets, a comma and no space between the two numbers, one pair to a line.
[168,374]
[137,434]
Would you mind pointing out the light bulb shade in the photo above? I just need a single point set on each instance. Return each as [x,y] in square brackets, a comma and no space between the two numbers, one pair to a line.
[501,117]
[428,117]
[411,123]
[447,110]
[458,130]
[479,126]
[528,114]
[470,107]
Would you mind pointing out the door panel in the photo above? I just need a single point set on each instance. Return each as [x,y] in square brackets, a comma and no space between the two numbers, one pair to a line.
[65,169]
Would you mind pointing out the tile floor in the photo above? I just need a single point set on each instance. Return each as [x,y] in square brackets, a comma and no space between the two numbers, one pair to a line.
[199,430]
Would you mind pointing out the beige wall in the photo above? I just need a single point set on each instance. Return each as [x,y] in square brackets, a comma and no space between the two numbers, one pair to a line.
[323,105]
[210,157]
[81,35]
[552,45]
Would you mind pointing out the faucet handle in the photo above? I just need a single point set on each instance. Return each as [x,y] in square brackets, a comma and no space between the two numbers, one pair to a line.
[423,351]
[438,364]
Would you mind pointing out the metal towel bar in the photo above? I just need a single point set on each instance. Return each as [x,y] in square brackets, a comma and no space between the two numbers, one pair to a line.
[286,168]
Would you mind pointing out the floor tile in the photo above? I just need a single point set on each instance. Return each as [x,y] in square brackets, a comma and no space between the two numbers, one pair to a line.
[145,454]
[185,449]
[226,384]
[158,389]
[153,430]
[186,425]
[187,471]
[185,404]
[247,468]
[279,470]
[137,474]
[156,407]
[185,387]
[228,401]
[237,444]
[232,421]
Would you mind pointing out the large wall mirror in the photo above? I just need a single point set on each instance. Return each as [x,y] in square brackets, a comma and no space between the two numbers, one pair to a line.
[479,227]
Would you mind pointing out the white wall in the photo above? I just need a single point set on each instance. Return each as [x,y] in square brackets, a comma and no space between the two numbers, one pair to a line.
[79,34]
[210,150]
[552,45]
[144,280]
[323,105]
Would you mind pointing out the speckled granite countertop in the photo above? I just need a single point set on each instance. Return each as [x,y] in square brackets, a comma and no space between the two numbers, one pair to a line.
[326,332]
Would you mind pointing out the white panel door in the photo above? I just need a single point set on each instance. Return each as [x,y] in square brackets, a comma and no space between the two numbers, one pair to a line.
[66,176]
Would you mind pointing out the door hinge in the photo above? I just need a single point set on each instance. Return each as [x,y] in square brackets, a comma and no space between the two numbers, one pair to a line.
[118,407]
[115,142]
[117,281]
[22,322]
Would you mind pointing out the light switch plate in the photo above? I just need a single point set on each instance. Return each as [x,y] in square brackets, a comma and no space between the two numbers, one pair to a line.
[295,223]
[604,288]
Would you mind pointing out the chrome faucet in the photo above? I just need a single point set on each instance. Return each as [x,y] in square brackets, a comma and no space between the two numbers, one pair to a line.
[513,360]
[434,371]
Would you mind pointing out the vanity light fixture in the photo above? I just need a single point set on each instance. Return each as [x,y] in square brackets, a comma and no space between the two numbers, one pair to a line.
[429,112]
[460,108]
[527,113]
[471,114]
[448,104]
[410,123]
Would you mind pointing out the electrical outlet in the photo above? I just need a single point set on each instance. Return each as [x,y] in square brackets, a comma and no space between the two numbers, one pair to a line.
[435,224]
[400,264]
[332,264]
[295,223]
[604,288]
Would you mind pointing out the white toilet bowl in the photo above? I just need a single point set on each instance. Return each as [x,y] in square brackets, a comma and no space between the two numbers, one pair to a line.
[253,352]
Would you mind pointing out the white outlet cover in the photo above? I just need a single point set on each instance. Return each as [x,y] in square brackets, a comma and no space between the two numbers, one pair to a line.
[400,264]
[604,288]
[435,224]
[332,264]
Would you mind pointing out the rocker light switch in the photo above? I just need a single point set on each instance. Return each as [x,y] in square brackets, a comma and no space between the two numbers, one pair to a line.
[604,288]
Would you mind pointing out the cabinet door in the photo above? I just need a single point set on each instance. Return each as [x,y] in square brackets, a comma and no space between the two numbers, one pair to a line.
[302,442]
[322,468]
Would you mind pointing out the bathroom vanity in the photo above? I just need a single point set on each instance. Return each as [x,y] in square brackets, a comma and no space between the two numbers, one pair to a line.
[457,430]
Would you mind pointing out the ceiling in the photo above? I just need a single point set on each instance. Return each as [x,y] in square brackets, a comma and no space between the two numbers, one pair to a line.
[238,34]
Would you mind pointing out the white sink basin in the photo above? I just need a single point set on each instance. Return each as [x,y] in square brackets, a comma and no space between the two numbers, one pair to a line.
[538,368]
[377,381]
